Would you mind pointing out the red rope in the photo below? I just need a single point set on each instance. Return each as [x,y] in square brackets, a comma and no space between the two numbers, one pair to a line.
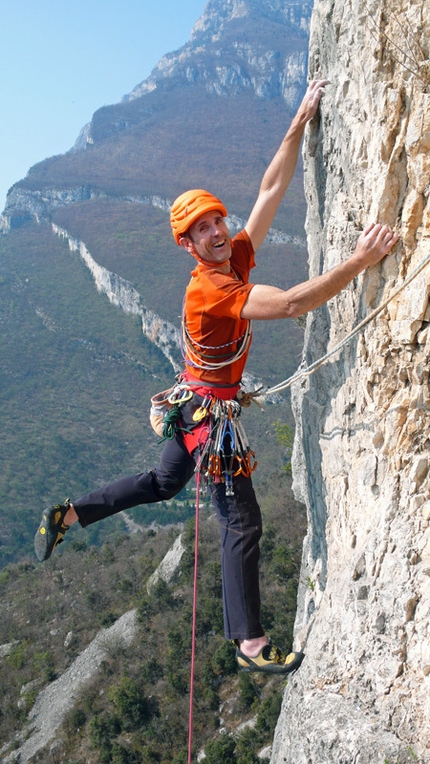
[193,635]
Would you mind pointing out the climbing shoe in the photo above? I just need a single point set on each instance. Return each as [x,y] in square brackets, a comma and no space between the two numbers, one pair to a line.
[51,530]
[270,660]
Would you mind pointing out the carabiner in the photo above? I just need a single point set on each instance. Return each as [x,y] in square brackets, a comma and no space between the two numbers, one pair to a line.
[180,395]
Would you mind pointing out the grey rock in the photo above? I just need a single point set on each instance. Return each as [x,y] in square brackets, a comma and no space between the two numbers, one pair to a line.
[169,565]
[361,456]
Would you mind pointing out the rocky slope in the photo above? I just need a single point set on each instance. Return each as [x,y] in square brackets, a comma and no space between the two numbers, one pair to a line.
[362,453]
[58,697]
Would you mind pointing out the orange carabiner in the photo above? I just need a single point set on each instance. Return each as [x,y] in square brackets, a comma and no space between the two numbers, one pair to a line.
[243,467]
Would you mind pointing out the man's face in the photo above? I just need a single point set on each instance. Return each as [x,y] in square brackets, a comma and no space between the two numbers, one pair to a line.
[209,238]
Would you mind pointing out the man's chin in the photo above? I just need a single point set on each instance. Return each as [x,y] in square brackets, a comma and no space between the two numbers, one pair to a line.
[221,255]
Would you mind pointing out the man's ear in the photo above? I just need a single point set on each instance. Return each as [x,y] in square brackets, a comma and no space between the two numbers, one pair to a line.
[187,244]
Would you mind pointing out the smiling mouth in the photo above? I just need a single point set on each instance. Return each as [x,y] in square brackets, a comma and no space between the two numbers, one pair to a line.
[219,244]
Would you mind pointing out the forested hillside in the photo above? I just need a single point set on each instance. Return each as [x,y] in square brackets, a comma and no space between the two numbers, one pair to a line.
[135,708]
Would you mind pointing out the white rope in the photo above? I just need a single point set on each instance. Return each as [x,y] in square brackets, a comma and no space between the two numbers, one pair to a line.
[314,366]
[191,357]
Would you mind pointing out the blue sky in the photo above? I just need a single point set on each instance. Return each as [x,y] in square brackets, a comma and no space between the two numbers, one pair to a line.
[61,61]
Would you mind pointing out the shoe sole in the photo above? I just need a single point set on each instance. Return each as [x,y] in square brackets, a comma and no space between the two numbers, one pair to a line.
[46,538]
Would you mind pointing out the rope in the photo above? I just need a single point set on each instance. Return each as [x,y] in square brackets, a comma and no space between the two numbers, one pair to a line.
[193,634]
[314,366]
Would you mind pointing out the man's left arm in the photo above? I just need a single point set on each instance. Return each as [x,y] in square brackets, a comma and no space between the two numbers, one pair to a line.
[268,302]
[278,175]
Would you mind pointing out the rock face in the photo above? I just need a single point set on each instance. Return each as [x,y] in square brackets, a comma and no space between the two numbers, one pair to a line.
[169,565]
[361,461]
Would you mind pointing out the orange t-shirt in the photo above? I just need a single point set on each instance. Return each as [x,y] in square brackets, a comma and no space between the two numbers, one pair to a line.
[213,304]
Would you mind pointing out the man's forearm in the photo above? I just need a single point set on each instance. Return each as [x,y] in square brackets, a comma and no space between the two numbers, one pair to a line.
[311,294]
[281,169]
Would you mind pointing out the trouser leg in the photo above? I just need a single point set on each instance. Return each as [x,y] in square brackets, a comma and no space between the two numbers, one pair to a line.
[240,527]
[173,472]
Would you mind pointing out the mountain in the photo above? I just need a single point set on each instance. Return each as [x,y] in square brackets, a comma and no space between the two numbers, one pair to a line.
[87,232]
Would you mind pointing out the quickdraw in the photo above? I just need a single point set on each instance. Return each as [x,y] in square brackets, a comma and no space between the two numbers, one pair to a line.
[226,452]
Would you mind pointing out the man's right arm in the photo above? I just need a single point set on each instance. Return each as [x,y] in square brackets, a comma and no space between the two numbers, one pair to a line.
[267,302]
[281,169]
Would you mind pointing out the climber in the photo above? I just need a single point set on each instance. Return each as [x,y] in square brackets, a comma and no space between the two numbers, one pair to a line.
[219,305]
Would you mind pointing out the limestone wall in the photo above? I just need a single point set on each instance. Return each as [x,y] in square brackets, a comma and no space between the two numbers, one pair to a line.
[362,450]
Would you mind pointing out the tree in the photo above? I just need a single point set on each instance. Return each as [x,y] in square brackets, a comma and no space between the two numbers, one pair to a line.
[220,750]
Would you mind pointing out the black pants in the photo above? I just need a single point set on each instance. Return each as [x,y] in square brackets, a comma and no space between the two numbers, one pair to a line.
[239,518]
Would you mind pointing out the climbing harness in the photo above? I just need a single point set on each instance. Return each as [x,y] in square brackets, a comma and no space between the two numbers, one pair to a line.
[216,429]
[224,449]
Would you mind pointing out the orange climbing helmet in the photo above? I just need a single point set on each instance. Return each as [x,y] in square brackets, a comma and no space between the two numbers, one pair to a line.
[189,206]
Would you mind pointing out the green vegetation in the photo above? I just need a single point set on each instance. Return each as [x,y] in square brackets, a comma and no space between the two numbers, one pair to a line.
[136,708]
[406,756]
[285,436]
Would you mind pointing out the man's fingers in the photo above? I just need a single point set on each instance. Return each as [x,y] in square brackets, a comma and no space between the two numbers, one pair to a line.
[314,84]
[391,239]
[377,236]
[316,89]
[386,235]
[313,96]
[372,227]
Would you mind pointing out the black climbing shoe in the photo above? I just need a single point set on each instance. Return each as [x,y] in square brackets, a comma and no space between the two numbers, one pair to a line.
[51,530]
[270,660]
